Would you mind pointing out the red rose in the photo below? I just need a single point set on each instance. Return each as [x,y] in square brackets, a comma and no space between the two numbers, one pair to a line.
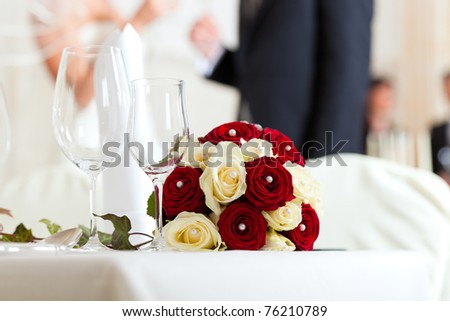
[307,232]
[232,132]
[242,227]
[269,184]
[182,192]
[283,146]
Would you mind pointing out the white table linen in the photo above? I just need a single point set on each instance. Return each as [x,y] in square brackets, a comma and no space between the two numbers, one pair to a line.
[232,275]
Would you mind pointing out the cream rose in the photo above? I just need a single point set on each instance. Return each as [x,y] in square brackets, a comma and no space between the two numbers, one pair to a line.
[214,218]
[277,242]
[191,231]
[316,199]
[197,154]
[302,181]
[306,188]
[285,218]
[256,148]
[223,180]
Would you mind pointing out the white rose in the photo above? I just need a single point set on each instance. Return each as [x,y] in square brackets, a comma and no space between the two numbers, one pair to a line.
[316,199]
[285,218]
[214,218]
[256,148]
[277,242]
[298,201]
[191,231]
[306,188]
[197,154]
[223,180]
[302,181]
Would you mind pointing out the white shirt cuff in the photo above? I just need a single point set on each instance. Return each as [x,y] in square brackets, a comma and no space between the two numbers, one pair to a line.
[206,66]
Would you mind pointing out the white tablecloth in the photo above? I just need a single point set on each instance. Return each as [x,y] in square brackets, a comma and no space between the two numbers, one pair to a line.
[233,275]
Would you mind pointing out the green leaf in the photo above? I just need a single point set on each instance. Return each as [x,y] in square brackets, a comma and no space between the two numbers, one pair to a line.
[105,238]
[21,235]
[84,237]
[51,227]
[120,237]
[151,206]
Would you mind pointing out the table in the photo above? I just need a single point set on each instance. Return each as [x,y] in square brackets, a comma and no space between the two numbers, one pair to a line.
[231,275]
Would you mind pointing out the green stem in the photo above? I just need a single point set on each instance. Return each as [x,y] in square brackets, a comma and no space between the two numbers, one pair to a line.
[137,246]
[139,233]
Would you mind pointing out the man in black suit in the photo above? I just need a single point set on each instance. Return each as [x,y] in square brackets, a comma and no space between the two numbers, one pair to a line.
[301,67]
[440,141]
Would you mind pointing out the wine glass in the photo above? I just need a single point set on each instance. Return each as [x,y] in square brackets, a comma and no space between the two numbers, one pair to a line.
[90,109]
[159,131]
[5,131]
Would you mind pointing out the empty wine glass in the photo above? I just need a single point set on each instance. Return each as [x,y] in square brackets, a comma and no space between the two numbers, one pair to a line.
[5,131]
[159,131]
[90,109]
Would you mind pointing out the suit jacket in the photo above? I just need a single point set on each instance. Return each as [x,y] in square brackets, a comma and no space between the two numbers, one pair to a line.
[302,67]
[439,140]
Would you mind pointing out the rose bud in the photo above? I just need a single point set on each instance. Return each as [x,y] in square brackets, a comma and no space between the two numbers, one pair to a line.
[242,227]
[269,184]
[307,232]
[182,192]
[232,132]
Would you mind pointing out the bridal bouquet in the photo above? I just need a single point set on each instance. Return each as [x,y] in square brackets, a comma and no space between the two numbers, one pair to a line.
[242,187]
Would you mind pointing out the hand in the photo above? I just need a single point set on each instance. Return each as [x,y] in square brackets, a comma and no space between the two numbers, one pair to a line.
[206,37]
[151,10]
[72,15]
[100,10]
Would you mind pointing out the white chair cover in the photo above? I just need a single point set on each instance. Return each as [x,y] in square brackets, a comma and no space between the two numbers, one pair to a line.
[372,203]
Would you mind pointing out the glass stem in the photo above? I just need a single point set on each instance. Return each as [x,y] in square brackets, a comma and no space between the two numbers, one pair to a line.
[92,186]
[158,187]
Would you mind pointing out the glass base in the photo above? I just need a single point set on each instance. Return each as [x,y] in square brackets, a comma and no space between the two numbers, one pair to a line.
[158,244]
[93,245]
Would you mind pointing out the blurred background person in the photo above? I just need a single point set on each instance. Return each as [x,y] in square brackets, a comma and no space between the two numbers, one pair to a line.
[380,105]
[34,32]
[440,139]
[301,67]
[384,138]
[81,13]
[163,26]
[32,35]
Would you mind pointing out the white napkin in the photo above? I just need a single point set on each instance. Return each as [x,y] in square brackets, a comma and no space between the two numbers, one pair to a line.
[125,190]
